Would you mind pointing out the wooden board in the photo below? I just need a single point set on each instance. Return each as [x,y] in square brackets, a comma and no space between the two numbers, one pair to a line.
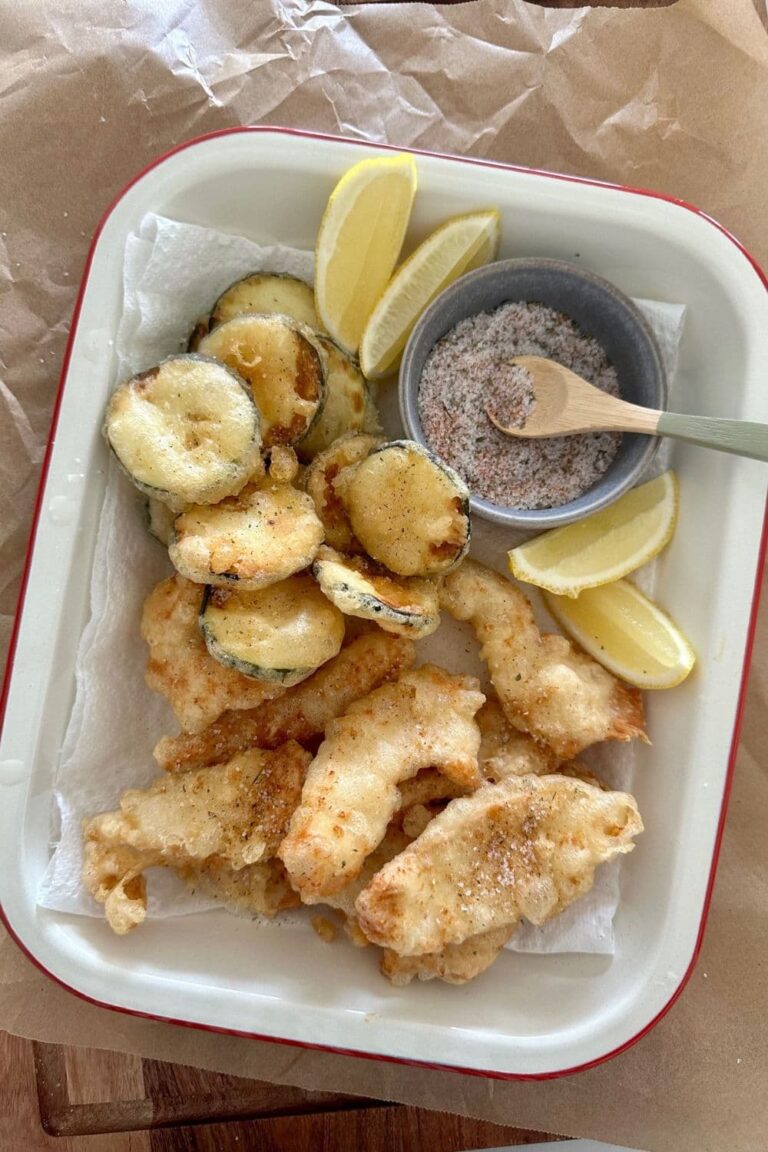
[106,1102]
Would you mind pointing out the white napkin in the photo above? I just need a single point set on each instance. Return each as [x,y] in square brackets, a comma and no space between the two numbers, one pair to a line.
[173,271]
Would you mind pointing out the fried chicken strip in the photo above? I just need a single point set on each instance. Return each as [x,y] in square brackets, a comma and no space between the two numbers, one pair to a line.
[525,847]
[395,840]
[429,787]
[425,719]
[180,667]
[236,814]
[505,751]
[301,712]
[260,888]
[547,686]
[455,964]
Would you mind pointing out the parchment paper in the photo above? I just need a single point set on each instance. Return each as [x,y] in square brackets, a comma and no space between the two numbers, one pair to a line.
[675,99]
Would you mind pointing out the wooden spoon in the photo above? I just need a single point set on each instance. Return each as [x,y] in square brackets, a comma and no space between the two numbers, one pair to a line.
[566,404]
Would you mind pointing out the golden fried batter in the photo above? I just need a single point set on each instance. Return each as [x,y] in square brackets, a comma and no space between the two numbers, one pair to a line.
[547,687]
[505,751]
[395,840]
[526,847]
[260,888]
[456,964]
[350,795]
[414,820]
[236,813]
[429,787]
[180,667]
[301,713]
[114,875]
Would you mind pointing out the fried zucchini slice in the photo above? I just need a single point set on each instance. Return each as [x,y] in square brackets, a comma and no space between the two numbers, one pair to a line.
[257,538]
[358,587]
[348,406]
[269,293]
[201,329]
[185,431]
[408,509]
[160,520]
[281,633]
[281,361]
[320,483]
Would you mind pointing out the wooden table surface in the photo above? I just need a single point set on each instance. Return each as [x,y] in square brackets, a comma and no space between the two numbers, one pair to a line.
[83,1100]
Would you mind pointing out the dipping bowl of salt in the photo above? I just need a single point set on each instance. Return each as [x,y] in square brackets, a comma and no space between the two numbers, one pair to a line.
[457,364]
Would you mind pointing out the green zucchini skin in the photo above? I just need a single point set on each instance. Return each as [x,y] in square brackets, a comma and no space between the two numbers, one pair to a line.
[270,633]
[358,587]
[268,293]
[160,520]
[349,405]
[199,332]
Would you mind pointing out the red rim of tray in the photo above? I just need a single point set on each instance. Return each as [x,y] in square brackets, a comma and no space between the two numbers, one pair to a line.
[744,672]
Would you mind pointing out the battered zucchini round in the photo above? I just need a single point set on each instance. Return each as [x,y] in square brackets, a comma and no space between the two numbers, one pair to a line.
[407,606]
[160,520]
[252,540]
[269,293]
[348,404]
[281,361]
[408,509]
[185,431]
[201,329]
[320,482]
[281,633]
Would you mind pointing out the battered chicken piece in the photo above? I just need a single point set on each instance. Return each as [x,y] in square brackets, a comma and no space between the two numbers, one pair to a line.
[456,964]
[429,787]
[547,687]
[351,794]
[526,847]
[113,873]
[414,820]
[260,888]
[395,840]
[180,667]
[301,713]
[505,751]
[236,813]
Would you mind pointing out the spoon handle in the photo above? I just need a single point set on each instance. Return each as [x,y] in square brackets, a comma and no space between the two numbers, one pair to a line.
[741,437]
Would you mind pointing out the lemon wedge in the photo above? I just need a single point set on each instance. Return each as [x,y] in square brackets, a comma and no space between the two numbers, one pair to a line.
[627,633]
[461,244]
[602,547]
[361,234]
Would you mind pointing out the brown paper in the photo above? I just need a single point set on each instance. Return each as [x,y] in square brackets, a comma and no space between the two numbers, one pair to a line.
[674,99]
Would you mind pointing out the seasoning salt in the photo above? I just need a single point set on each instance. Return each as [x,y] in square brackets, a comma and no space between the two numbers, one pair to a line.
[468,371]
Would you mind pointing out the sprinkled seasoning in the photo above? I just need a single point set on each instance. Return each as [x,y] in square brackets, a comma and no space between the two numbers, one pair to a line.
[468,370]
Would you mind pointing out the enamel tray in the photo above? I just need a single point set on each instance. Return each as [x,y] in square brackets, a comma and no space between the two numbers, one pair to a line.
[529,1016]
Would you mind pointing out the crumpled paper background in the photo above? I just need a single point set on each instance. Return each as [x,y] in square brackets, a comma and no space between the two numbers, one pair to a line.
[675,99]
[172,272]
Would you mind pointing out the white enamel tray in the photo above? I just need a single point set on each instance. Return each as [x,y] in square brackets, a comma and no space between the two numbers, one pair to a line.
[529,1015]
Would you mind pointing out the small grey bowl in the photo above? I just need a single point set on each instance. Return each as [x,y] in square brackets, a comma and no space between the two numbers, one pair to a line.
[599,310]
